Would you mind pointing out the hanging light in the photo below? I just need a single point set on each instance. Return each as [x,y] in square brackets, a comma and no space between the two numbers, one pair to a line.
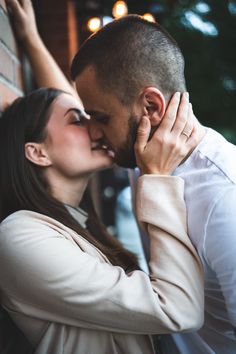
[94,24]
[119,9]
[149,17]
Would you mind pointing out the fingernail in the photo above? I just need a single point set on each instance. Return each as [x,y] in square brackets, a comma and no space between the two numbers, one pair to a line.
[186,94]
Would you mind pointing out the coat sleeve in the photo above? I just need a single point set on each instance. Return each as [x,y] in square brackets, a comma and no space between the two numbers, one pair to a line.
[44,275]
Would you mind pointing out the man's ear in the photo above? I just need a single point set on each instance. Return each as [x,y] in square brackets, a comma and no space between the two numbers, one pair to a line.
[36,153]
[153,103]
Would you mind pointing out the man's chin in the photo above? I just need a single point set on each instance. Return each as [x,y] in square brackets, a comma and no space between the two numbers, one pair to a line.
[123,160]
[125,156]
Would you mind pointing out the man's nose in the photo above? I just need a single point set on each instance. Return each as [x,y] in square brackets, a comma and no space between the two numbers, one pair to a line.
[95,132]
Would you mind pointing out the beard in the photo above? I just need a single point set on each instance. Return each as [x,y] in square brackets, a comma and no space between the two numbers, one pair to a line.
[125,156]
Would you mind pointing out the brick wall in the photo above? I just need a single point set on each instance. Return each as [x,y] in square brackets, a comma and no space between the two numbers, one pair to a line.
[58,28]
[57,25]
[11,83]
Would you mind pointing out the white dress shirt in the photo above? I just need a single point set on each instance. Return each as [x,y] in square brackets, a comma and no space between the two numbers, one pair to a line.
[210,195]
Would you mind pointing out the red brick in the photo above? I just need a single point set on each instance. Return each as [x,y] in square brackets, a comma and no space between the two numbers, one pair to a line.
[7,95]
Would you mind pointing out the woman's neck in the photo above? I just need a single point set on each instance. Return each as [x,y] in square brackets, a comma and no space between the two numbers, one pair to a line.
[68,191]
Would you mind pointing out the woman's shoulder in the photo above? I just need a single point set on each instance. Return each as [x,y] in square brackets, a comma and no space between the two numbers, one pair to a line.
[23,230]
[22,216]
[26,219]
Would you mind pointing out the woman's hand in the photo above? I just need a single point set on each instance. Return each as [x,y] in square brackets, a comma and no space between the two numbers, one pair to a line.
[172,142]
[23,19]
[46,70]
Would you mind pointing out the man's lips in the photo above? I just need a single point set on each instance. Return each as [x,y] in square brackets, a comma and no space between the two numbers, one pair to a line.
[98,146]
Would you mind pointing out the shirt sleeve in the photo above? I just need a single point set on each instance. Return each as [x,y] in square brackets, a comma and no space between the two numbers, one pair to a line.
[220,247]
[46,276]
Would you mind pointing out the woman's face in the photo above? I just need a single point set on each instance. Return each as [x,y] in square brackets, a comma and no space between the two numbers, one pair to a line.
[67,142]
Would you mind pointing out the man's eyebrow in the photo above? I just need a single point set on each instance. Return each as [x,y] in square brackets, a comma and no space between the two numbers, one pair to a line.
[96,113]
[93,112]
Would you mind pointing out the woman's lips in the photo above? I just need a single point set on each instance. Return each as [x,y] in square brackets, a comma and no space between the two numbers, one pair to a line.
[97,146]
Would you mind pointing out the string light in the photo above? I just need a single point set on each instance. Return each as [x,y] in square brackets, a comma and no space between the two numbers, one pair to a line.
[149,17]
[119,9]
[94,24]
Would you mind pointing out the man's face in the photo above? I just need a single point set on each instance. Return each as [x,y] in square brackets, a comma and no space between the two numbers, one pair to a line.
[112,123]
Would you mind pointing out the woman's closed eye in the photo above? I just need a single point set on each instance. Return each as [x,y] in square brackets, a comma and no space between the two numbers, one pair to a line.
[76,116]
[78,120]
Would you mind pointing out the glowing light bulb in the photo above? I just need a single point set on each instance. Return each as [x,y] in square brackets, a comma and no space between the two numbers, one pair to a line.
[94,24]
[149,17]
[119,9]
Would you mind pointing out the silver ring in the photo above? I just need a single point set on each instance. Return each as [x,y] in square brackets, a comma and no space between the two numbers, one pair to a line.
[185,134]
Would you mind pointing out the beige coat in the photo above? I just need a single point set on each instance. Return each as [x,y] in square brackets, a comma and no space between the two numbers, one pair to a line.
[68,299]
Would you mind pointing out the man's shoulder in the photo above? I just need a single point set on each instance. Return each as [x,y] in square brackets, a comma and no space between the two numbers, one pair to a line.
[219,155]
[209,174]
[213,160]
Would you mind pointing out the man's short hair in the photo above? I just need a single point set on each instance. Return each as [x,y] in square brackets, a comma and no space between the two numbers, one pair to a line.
[129,54]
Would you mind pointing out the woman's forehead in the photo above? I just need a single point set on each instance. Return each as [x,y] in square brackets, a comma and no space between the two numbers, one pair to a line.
[65,101]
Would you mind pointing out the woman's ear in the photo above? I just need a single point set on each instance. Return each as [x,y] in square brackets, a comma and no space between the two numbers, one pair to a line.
[36,153]
[154,105]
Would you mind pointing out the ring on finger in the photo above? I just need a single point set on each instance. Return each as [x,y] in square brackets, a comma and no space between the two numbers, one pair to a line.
[186,134]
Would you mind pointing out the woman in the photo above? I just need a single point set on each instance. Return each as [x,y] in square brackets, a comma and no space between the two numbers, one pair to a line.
[66,284]
[71,288]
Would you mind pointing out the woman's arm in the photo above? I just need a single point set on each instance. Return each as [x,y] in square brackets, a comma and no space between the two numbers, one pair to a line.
[46,71]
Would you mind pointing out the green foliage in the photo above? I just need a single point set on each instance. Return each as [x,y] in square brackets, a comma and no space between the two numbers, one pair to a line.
[206,33]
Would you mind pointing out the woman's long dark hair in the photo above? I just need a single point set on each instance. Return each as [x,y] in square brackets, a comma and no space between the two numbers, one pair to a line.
[22,186]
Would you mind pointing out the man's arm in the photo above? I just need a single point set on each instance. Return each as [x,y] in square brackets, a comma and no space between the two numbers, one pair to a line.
[220,247]
[46,71]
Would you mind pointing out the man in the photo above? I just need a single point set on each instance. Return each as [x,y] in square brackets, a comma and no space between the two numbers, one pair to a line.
[129,69]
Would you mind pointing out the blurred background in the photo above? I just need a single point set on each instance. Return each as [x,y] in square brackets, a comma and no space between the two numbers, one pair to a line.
[206,33]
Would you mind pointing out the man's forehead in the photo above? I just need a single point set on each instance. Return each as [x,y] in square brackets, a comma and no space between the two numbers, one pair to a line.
[87,87]
[87,76]
[97,101]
